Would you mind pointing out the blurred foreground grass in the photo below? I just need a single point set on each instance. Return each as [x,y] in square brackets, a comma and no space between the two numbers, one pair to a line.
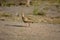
[33,2]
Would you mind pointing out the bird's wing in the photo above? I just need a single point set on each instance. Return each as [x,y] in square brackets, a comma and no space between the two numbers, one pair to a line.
[29,18]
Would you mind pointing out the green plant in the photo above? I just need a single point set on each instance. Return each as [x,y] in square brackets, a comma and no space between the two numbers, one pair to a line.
[10,4]
[35,11]
[41,13]
[3,3]
[36,7]
[6,15]
[58,1]
[35,3]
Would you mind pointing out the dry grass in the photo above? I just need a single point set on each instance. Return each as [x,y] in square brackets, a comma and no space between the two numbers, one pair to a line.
[45,19]
[34,18]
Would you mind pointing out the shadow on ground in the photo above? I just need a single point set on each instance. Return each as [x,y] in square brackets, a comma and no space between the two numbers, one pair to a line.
[15,25]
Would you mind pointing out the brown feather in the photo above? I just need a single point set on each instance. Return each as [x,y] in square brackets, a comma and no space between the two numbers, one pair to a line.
[26,19]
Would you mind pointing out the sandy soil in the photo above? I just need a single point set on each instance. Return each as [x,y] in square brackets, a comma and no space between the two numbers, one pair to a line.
[36,31]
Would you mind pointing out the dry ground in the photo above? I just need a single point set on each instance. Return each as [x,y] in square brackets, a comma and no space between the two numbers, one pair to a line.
[36,31]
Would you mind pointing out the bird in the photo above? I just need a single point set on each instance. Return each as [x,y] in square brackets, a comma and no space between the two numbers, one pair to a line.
[26,19]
